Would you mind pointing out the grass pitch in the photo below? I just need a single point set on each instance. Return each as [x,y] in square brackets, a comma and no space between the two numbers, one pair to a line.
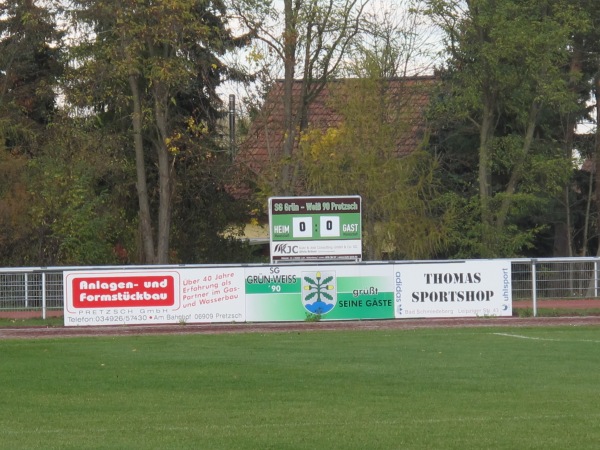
[505,388]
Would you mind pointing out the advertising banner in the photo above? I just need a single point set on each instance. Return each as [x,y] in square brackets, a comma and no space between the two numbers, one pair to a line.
[264,293]
[476,288]
[154,296]
[296,293]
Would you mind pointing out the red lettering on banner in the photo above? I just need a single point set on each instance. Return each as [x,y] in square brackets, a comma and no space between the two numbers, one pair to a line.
[143,291]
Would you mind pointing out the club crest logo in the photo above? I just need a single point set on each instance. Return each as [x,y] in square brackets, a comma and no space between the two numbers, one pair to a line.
[319,291]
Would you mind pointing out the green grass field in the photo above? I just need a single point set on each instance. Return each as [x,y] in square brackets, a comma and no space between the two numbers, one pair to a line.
[505,388]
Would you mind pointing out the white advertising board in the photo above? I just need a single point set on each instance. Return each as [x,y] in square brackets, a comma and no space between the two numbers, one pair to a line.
[476,288]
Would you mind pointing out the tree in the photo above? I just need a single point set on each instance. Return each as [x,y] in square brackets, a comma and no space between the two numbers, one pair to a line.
[310,46]
[29,67]
[589,52]
[76,196]
[15,226]
[403,216]
[507,75]
[396,41]
[156,66]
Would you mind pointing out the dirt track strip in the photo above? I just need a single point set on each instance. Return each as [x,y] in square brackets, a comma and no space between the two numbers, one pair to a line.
[288,327]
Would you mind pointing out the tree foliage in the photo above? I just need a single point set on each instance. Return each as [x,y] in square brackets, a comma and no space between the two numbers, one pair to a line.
[403,215]
[155,65]
[134,167]
[75,189]
[29,67]
[506,84]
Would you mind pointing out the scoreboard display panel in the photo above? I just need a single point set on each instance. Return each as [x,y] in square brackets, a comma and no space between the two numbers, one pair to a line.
[315,228]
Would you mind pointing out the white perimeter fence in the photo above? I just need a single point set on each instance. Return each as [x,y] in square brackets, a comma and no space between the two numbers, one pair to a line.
[534,280]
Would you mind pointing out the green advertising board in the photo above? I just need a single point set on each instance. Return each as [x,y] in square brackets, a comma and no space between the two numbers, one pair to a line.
[315,228]
[295,293]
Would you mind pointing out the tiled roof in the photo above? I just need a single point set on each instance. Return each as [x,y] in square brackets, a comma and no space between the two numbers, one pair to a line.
[264,142]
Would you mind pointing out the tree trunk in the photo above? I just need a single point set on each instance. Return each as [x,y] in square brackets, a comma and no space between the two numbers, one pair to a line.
[515,175]
[141,184]
[588,218]
[290,39]
[485,178]
[164,176]
[563,241]
[597,155]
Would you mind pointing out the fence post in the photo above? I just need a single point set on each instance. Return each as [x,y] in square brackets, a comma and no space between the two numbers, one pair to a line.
[595,278]
[43,295]
[534,286]
[26,290]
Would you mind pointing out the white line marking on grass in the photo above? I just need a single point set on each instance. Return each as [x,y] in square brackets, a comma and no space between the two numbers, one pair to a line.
[533,338]
[519,336]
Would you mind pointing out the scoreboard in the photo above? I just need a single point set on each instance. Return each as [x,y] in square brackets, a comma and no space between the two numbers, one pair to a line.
[315,228]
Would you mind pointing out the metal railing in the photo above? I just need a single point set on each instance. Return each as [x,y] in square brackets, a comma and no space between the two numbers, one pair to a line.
[555,278]
[40,289]
[31,289]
